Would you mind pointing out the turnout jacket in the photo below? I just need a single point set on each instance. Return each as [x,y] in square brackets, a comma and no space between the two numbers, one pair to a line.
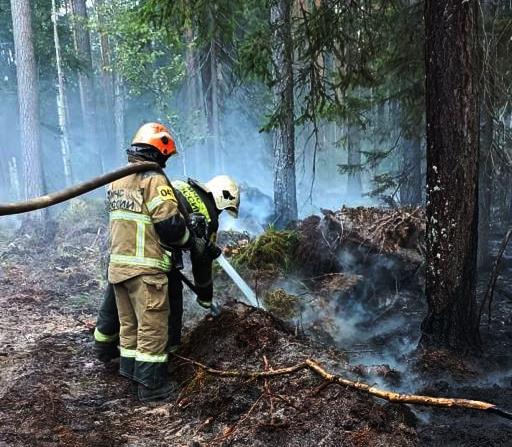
[196,199]
[144,216]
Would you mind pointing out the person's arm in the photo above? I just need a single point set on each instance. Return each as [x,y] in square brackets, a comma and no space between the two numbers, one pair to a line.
[162,205]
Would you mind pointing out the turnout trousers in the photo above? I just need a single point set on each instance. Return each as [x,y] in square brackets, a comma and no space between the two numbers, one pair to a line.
[143,307]
[106,334]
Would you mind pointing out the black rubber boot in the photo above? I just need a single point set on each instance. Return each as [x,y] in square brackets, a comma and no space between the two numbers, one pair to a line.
[105,352]
[154,383]
[163,392]
[127,367]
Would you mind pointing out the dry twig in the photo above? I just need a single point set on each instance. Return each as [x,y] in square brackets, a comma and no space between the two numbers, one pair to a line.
[391,396]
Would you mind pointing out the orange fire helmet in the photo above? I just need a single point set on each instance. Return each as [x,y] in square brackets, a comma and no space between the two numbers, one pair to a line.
[156,135]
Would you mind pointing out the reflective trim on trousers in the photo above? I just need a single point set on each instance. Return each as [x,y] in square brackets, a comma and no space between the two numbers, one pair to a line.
[128,353]
[104,338]
[151,358]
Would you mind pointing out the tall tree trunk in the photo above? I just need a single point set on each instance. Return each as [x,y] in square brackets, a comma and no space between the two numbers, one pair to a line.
[61,103]
[28,99]
[107,84]
[14,179]
[85,82]
[485,186]
[119,117]
[487,140]
[410,189]
[206,79]
[452,76]
[354,184]
[192,97]
[285,194]
[210,78]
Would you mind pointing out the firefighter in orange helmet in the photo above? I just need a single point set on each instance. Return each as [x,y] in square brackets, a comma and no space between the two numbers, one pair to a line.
[144,218]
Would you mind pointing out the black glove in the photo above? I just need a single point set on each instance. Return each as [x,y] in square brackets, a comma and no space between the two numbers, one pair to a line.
[198,225]
[201,248]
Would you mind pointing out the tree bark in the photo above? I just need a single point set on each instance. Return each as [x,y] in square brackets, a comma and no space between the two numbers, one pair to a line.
[452,106]
[354,184]
[107,84]
[487,140]
[28,99]
[410,189]
[285,195]
[119,117]
[82,42]
[61,103]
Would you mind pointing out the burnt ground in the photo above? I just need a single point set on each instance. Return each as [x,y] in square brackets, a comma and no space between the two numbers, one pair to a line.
[53,392]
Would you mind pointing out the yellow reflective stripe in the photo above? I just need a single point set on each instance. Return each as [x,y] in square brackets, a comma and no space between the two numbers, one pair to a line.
[163,264]
[154,203]
[151,358]
[104,338]
[139,246]
[192,198]
[128,215]
[128,353]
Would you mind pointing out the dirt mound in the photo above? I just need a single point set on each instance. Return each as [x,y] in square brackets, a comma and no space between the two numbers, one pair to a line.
[290,410]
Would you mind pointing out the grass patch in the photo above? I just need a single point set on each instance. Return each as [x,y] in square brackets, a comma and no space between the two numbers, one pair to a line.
[274,250]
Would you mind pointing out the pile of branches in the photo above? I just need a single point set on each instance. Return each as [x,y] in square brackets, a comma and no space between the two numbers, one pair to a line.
[384,230]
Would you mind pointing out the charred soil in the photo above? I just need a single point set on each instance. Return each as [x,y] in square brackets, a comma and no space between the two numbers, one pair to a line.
[54,392]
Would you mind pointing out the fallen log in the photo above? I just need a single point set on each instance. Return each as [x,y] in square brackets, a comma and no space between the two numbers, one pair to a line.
[75,190]
[391,396]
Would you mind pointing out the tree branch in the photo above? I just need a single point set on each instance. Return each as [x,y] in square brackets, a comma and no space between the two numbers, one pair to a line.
[391,396]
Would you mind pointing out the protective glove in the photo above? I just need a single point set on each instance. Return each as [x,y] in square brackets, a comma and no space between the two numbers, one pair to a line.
[201,248]
[198,225]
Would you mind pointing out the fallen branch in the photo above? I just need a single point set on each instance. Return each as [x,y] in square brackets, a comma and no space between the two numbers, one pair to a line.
[315,367]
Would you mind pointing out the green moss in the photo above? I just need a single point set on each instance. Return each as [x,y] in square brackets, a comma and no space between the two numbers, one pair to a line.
[272,251]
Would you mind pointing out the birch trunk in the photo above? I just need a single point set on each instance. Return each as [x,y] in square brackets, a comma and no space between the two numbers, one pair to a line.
[61,103]
[119,118]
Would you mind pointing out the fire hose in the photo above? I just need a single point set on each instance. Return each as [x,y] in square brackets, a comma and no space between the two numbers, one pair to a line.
[75,190]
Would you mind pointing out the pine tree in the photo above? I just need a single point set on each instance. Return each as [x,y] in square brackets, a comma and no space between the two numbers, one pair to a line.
[452,78]
[285,197]
[28,99]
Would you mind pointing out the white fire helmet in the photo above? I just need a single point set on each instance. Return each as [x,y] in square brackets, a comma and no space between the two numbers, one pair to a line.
[226,193]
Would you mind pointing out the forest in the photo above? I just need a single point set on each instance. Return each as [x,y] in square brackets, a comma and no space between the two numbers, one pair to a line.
[363,296]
